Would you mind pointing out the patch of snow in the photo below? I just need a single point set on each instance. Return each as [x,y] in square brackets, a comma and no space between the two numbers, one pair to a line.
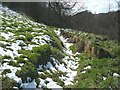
[58,32]
[40,67]
[39,40]
[42,83]
[46,37]
[5,35]
[15,46]
[63,78]
[71,75]
[104,78]
[15,88]
[68,82]
[50,66]
[116,75]
[88,67]
[83,72]
[72,64]
[2,52]
[29,47]
[52,84]
[8,28]
[22,36]
[21,64]
[42,42]
[13,71]
[61,67]
[25,59]
[53,60]
[29,85]
[3,42]
[6,52]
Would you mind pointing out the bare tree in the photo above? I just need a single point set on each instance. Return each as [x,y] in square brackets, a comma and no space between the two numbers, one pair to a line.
[118,2]
[62,8]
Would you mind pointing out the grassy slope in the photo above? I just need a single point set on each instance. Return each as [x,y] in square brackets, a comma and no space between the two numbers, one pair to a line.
[26,44]
[100,71]
[99,75]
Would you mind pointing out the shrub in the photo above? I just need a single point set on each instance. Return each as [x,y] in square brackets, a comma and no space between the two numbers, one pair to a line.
[27,70]
[57,54]
[40,55]
[56,43]
[34,58]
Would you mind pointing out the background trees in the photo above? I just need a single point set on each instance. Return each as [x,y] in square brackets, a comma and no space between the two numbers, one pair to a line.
[61,14]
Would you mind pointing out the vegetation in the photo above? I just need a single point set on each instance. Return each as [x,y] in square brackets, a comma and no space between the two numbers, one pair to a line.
[28,70]
[39,53]
[101,56]
[8,83]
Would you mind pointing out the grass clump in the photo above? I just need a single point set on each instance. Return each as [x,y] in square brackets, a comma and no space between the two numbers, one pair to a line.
[13,63]
[74,48]
[8,83]
[7,57]
[40,55]
[28,36]
[6,71]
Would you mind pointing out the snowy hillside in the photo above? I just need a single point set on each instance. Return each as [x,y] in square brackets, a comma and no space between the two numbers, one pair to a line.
[34,55]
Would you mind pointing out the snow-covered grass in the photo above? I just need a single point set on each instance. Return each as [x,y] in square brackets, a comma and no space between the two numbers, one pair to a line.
[13,71]
[19,33]
[26,46]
